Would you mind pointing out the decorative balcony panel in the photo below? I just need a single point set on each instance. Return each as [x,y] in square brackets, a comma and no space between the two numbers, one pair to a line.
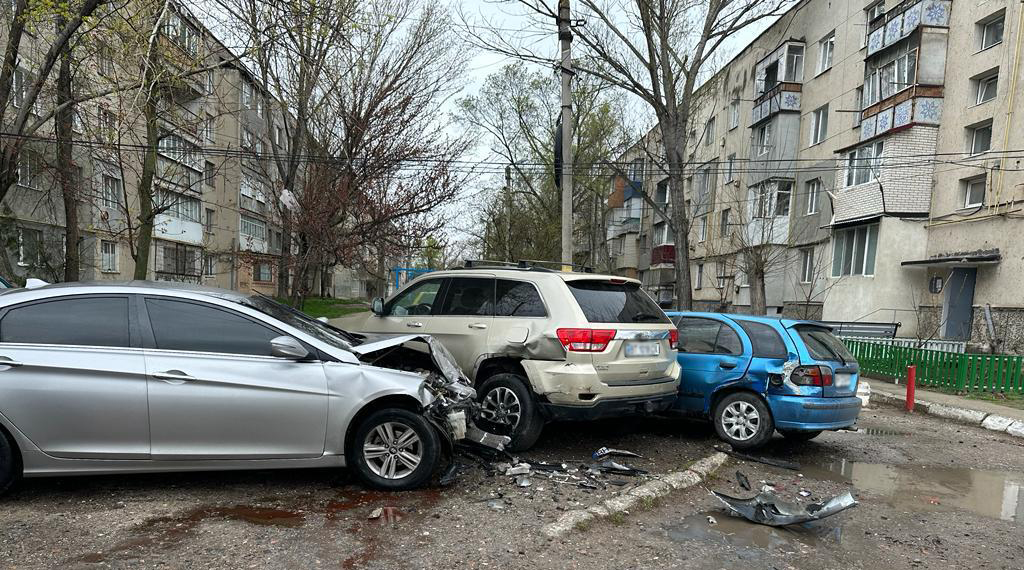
[903,113]
[867,127]
[663,254]
[876,40]
[894,30]
[935,12]
[900,24]
[928,110]
[782,97]
[884,121]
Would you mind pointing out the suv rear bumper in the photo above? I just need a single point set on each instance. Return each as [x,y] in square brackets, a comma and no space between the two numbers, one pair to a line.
[607,408]
[576,386]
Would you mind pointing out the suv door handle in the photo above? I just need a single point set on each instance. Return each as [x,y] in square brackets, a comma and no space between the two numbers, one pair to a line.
[4,361]
[174,376]
[726,365]
[415,325]
[480,326]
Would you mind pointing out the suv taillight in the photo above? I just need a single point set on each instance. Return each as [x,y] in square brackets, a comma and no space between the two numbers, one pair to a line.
[585,340]
[673,338]
[812,376]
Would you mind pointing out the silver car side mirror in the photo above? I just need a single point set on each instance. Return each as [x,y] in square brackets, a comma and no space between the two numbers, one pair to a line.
[287,347]
[378,306]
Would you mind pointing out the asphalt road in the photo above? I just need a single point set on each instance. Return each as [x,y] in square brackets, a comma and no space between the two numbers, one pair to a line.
[932,495]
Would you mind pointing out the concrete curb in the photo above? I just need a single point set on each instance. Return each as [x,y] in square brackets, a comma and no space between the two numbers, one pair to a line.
[695,474]
[992,422]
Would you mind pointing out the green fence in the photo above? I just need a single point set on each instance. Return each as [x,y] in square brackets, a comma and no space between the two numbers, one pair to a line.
[960,372]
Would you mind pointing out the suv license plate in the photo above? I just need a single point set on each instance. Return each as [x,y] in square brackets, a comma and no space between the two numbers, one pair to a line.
[643,349]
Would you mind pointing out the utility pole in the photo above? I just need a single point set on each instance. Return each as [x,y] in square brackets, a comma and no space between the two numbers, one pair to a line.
[508,213]
[565,39]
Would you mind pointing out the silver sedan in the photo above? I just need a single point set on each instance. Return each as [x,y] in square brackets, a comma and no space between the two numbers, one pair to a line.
[145,377]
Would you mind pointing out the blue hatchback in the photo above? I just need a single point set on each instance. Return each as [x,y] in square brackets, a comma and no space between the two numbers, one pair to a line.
[754,375]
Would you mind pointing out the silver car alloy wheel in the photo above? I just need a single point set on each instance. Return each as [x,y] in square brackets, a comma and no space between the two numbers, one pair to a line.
[501,406]
[740,420]
[392,450]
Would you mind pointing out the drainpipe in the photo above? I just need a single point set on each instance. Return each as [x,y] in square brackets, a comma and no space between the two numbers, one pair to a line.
[1010,103]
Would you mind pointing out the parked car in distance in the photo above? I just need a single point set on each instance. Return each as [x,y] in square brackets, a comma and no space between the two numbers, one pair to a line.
[543,345]
[755,375]
[149,377]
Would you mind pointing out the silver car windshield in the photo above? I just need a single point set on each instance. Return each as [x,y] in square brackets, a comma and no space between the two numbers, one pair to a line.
[295,318]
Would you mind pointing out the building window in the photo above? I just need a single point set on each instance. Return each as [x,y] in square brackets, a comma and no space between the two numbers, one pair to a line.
[179,206]
[863,164]
[661,192]
[819,124]
[699,276]
[891,72]
[661,234]
[702,188]
[724,227]
[772,199]
[794,63]
[987,89]
[813,189]
[262,272]
[111,197]
[108,256]
[248,95]
[104,60]
[251,196]
[26,170]
[871,13]
[858,105]
[974,193]
[807,265]
[209,173]
[209,266]
[853,251]
[210,82]
[18,97]
[208,221]
[734,113]
[209,127]
[720,274]
[825,48]
[981,138]
[30,247]
[764,139]
[991,31]
[254,228]
[782,195]
[730,168]
[702,226]
[107,125]
[709,131]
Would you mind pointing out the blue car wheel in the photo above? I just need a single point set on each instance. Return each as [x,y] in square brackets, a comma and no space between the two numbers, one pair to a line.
[743,420]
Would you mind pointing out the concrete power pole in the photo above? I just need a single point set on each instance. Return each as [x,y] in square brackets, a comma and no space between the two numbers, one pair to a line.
[565,39]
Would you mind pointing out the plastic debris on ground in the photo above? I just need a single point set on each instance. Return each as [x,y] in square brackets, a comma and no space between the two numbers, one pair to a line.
[767,509]
[742,480]
[610,452]
[520,469]
[523,481]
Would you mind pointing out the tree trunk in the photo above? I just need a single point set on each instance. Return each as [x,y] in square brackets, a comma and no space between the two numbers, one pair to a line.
[65,162]
[755,274]
[144,238]
[674,149]
[284,263]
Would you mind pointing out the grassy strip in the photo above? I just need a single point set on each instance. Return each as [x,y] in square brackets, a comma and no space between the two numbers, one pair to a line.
[317,307]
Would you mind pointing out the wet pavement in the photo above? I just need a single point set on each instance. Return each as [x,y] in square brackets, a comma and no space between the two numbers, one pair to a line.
[931,495]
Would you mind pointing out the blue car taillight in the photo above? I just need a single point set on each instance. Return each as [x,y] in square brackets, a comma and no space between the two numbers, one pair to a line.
[812,376]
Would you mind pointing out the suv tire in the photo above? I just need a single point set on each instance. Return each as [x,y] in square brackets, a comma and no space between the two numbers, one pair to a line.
[743,420]
[387,466]
[799,435]
[7,467]
[506,398]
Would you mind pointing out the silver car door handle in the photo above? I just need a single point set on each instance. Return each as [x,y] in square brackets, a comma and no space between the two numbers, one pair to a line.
[478,325]
[4,361]
[173,375]
[415,325]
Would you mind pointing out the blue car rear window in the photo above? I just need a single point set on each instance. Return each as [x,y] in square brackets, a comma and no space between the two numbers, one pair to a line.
[766,342]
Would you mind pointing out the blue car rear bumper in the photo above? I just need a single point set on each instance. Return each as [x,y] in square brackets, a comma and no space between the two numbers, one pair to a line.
[812,414]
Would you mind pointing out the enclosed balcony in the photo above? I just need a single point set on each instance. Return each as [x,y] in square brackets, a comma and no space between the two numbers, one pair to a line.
[778,81]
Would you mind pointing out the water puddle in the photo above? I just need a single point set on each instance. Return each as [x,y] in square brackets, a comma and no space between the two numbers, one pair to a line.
[741,533]
[995,494]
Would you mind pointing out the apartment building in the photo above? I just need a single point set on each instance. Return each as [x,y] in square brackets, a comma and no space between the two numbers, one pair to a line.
[213,178]
[865,153]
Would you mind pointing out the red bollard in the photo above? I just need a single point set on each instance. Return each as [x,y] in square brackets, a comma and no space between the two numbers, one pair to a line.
[911,377]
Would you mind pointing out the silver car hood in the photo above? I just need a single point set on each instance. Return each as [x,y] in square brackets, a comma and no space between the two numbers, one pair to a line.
[439,355]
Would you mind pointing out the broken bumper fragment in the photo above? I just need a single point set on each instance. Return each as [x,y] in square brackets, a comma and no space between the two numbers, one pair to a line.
[767,509]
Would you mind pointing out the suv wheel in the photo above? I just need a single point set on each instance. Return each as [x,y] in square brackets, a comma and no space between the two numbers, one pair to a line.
[507,408]
[394,450]
[799,435]
[7,470]
[743,420]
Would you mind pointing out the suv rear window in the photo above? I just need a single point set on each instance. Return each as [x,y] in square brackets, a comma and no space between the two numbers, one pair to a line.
[766,342]
[610,302]
[823,345]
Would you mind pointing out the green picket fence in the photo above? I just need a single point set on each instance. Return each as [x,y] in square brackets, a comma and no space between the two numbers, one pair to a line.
[950,370]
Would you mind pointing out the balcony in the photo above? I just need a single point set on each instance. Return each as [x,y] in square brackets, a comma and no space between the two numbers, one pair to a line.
[663,254]
[623,221]
[784,96]
[178,174]
[902,20]
[917,105]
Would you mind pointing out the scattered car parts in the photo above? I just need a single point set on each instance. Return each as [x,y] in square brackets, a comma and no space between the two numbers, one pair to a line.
[767,509]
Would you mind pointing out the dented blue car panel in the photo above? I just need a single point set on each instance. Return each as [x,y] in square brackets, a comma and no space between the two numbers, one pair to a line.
[704,376]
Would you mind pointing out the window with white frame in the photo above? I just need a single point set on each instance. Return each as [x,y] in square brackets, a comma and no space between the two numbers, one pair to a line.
[807,265]
[974,192]
[179,150]
[108,256]
[783,192]
[819,124]
[104,59]
[730,168]
[251,196]
[863,164]
[27,169]
[813,189]
[107,125]
[858,105]
[891,72]
[794,63]
[699,277]
[987,89]
[709,131]
[254,228]
[826,47]
[248,95]
[661,192]
[262,271]
[209,173]
[720,274]
[853,251]
[980,138]
[178,206]
[734,113]
[209,265]
[702,188]
[990,30]
[209,130]
[30,247]
[871,13]
[724,223]
[771,199]
[763,139]
[19,86]
[208,220]
[661,234]
[111,192]
[702,228]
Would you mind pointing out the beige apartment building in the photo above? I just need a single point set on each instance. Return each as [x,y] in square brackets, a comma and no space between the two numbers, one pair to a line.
[214,174]
[866,152]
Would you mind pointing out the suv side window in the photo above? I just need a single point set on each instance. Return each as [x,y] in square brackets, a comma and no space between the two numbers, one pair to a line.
[87,321]
[469,296]
[518,299]
[766,342]
[198,327]
[417,300]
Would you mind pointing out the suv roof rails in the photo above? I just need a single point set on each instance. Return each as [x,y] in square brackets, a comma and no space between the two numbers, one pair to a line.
[533,263]
[523,264]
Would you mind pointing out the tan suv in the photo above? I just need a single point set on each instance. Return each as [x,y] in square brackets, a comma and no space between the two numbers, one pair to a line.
[543,345]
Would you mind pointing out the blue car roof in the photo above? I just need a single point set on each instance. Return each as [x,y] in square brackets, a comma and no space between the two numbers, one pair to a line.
[787,323]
